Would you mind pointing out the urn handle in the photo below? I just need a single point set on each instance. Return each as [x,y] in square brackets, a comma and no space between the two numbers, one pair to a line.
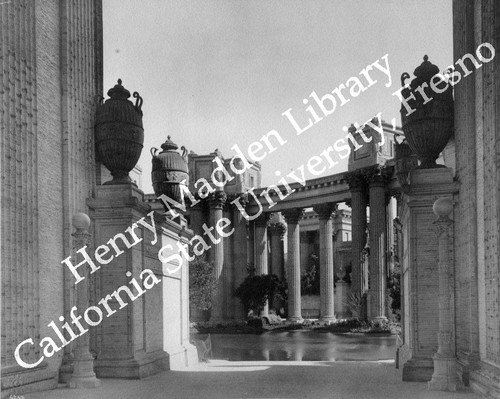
[154,150]
[404,76]
[138,101]
[184,153]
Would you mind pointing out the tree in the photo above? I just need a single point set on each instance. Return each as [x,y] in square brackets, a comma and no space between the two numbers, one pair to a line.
[202,283]
[255,291]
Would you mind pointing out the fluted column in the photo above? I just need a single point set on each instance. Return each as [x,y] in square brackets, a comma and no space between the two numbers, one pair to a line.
[228,268]
[83,365]
[217,201]
[292,217]
[357,187]
[326,272]
[240,254]
[261,264]
[445,376]
[277,232]
[378,231]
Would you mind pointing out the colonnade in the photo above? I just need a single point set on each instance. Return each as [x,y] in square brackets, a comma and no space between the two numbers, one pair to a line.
[368,187]
[260,244]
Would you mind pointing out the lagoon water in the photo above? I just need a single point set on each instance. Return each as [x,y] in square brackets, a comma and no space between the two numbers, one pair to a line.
[301,346]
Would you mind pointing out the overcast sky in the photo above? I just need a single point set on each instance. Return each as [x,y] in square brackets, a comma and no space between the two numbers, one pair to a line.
[214,73]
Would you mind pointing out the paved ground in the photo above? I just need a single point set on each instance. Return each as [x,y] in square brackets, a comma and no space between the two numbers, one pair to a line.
[221,380]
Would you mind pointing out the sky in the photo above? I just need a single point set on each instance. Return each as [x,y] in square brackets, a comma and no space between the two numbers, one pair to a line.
[215,73]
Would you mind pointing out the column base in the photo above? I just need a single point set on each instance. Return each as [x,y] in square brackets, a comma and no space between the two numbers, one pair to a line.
[445,376]
[142,365]
[328,319]
[418,369]
[83,374]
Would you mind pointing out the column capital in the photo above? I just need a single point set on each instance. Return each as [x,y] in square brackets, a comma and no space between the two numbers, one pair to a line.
[293,215]
[325,211]
[377,175]
[355,180]
[217,199]
[262,220]
[277,229]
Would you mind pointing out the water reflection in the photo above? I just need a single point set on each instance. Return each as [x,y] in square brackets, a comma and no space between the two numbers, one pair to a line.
[301,346]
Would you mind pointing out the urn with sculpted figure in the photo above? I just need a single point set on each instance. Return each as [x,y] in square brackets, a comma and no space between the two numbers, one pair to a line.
[427,113]
[169,170]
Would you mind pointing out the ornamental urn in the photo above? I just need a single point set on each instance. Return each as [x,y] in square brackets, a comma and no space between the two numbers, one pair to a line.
[170,170]
[427,113]
[119,135]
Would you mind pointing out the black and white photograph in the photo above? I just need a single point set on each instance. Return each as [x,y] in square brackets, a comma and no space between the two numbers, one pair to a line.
[262,199]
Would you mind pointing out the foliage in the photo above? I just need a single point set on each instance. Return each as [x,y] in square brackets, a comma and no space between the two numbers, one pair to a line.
[255,291]
[394,285]
[310,281]
[202,283]
[354,303]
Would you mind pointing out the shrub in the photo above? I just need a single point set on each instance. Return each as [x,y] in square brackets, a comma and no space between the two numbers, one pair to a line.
[310,281]
[202,283]
[255,291]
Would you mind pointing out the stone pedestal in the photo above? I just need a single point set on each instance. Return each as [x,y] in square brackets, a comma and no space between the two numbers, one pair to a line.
[419,274]
[133,341]
[83,375]
[445,377]
[341,293]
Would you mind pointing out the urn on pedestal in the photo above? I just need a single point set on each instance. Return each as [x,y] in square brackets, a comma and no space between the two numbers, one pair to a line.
[427,113]
[119,135]
[170,170]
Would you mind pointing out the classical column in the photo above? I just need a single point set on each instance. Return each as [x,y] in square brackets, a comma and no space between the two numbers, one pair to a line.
[357,186]
[228,268]
[83,364]
[217,201]
[251,245]
[378,232]
[240,253]
[326,272]
[261,264]
[292,217]
[445,376]
[277,232]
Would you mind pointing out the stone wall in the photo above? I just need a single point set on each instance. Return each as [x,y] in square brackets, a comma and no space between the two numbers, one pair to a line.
[477,264]
[51,62]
